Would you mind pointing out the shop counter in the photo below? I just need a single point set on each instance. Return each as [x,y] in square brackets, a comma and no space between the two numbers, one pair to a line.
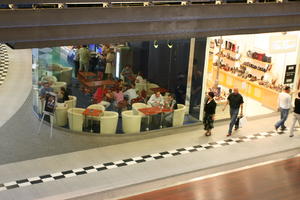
[266,96]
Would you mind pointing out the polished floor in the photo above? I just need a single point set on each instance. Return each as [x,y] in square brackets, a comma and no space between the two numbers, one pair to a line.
[279,180]
[17,84]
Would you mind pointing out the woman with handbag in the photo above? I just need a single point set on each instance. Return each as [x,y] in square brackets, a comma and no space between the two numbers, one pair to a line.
[209,113]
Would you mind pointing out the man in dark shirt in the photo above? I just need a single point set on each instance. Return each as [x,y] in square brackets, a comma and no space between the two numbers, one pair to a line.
[235,101]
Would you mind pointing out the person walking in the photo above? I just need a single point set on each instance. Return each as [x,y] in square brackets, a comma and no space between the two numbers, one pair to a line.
[209,113]
[236,102]
[296,114]
[284,104]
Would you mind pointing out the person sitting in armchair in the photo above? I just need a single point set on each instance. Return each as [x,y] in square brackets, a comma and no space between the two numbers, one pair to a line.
[156,99]
[63,95]
[171,104]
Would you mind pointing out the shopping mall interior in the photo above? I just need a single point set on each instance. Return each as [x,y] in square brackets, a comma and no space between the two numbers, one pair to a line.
[123,116]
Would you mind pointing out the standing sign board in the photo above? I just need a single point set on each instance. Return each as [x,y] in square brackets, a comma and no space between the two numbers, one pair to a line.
[49,109]
[50,103]
[289,74]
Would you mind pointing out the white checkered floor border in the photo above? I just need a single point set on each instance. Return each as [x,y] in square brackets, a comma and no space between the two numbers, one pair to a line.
[131,161]
[4,62]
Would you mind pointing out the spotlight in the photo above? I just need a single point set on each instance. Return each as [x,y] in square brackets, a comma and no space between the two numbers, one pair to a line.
[250,1]
[184,3]
[155,44]
[279,1]
[170,44]
[218,2]
[60,5]
[11,6]
[146,3]
[105,5]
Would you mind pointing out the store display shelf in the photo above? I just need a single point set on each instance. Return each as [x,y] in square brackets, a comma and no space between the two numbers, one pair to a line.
[257,70]
[229,51]
[257,62]
[229,60]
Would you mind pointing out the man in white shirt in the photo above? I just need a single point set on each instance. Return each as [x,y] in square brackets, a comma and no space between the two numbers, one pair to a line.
[284,104]
[156,100]
[130,93]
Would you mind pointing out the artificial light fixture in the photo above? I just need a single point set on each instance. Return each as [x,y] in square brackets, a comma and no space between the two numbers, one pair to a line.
[146,3]
[279,1]
[155,44]
[184,3]
[250,1]
[170,44]
[105,5]
[11,6]
[218,2]
[118,58]
[60,5]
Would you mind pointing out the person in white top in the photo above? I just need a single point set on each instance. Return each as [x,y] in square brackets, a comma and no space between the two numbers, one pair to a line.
[156,100]
[139,78]
[130,93]
[284,104]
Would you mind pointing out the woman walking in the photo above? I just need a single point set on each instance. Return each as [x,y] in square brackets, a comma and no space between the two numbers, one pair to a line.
[296,114]
[209,113]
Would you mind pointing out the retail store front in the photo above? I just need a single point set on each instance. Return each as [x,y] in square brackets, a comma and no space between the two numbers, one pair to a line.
[259,65]
[120,88]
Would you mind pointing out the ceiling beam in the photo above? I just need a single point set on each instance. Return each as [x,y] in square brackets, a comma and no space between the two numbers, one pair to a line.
[70,26]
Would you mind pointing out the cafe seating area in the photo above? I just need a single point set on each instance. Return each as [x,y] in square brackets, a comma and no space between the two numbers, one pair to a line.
[128,121]
[67,115]
[96,118]
[90,109]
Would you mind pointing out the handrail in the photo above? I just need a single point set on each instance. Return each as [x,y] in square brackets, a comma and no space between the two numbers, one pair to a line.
[46,4]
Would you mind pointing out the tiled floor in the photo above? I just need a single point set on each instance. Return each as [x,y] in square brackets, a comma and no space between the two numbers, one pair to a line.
[4,62]
[132,161]
[139,172]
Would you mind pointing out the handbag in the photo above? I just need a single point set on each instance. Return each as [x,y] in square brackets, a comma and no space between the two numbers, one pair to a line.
[260,56]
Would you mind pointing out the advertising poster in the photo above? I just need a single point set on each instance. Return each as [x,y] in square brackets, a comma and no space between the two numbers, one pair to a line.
[50,103]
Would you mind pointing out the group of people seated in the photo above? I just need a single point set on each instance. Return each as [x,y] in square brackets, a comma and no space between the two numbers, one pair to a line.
[167,102]
[117,98]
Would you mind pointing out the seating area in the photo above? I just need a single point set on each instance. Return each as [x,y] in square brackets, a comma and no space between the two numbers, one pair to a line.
[69,116]
[91,101]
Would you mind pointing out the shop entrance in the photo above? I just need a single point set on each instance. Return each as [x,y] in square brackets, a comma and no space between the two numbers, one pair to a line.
[259,65]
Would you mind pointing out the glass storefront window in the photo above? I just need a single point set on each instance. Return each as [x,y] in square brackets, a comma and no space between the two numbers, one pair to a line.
[121,80]
[259,65]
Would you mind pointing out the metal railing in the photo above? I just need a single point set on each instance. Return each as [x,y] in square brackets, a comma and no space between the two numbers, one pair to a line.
[57,4]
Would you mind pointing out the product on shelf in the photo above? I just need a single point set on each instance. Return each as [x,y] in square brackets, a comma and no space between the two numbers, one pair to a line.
[259,56]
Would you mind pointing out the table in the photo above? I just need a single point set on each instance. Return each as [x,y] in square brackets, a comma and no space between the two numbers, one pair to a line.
[153,111]
[86,76]
[86,79]
[161,90]
[92,113]
[96,84]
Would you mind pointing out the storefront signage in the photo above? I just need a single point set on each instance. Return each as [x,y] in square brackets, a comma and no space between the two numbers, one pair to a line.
[289,74]
[50,103]
[283,43]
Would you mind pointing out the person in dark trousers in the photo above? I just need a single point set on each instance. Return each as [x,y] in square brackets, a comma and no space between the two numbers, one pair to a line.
[284,105]
[209,113]
[296,114]
[235,101]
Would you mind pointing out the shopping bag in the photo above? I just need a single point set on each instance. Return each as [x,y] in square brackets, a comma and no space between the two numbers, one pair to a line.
[243,121]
